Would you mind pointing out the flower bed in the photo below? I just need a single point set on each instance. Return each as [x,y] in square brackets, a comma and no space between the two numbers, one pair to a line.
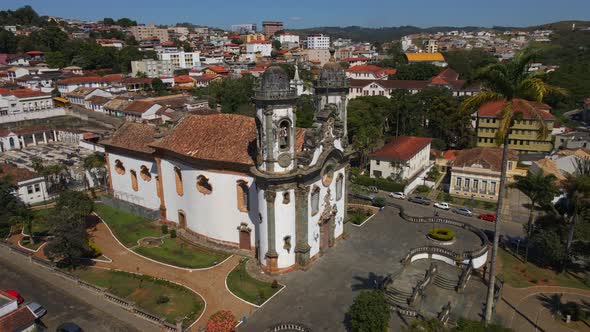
[441,234]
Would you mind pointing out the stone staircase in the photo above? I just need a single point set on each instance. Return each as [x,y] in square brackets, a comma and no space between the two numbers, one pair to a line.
[446,281]
[397,297]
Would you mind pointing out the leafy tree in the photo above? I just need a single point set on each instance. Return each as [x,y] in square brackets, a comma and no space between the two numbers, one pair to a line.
[466,62]
[56,59]
[364,142]
[549,247]
[507,82]
[126,22]
[369,312]
[416,71]
[237,41]
[76,203]
[233,94]
[276,44]
[70,239]
[108,21]
[158,86]
[11,205]
[8,42]
[25,15]
[51,38]
[540,189]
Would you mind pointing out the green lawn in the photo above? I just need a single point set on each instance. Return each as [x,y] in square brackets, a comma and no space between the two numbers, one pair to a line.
[180,253]
[27,244]
[127,227]
[517,274]
[144,291]
[244,286]
[445,197]
[357,217]
[40,224]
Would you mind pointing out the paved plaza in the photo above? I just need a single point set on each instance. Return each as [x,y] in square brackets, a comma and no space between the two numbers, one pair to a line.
[320,296]
[53,153]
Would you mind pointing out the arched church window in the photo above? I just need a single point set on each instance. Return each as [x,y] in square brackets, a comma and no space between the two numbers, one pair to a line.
[284,134]
[119,168]
[315,200]
[145,173]
[178,180]
[133,175]
[242,192]
[339,184]
[203,185]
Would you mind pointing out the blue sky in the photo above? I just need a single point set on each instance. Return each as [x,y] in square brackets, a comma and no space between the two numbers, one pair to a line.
[311,13]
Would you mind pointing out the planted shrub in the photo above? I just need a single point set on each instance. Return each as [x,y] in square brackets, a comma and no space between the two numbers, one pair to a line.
[422,188]
[441,234]
[379,202]
[172,233]
[162,299]
[164,229]
[383,184]
[94,250]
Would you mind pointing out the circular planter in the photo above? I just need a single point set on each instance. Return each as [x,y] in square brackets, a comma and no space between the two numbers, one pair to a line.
[441,235]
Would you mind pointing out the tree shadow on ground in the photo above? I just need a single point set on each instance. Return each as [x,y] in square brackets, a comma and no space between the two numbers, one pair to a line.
[372,281]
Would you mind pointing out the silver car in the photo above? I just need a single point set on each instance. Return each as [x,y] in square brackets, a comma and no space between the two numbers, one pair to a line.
[37,309]
[463,211]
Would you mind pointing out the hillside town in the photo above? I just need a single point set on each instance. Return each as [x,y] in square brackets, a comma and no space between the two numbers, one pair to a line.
[256,177]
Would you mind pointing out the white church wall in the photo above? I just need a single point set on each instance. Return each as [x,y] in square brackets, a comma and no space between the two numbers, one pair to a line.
[262,227]
[285,226]
[147,194]
[215,215]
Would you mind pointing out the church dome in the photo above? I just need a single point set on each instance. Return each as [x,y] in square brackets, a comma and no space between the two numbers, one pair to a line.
[275,85]
[332,75]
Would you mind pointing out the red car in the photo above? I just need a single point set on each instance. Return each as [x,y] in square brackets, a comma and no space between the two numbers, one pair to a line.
[13,293]
[487,217]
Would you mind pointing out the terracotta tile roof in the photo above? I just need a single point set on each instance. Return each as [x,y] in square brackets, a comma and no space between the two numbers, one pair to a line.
[35,53]
[216,137]
[16,175]
[401,148]
[112,78]
[550,167]
[24,93]
[494,108]
[182,79]
[137,80]
[451,154]
[422,57]
[358,58]
[117,104]
[18,320]
[80,92]
[99,100]
[218,69]
[138,106]
[80,80]
[489,158]
[133,136]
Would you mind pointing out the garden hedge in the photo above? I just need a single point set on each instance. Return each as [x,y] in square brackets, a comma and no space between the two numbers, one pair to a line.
[441,234]
[383,184]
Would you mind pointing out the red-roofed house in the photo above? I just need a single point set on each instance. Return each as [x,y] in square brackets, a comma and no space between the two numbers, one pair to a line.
[184,81]
[367,72]
[30,186]
[111,42]
[22,104]
[356,61]
[401,159]
[525,131]
[216,70]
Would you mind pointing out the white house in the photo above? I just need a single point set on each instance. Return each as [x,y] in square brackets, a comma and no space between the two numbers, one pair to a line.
[23,100]
[401,159]
[70,84]
[81,96]
[262,47]
[250,183]
[30,186]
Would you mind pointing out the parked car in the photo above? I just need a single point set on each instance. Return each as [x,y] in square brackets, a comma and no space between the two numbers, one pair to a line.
[373,189]
[442,205]
[398,195]
[420,200]
[37,309]
[12,292]
[68,327]
[463,211]
[487,217]
[364,196]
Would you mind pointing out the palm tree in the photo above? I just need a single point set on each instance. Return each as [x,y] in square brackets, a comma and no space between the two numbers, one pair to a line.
[540,189]
[513,84]
[577,190]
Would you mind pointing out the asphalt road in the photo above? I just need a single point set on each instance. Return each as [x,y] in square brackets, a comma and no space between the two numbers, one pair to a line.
[64,301]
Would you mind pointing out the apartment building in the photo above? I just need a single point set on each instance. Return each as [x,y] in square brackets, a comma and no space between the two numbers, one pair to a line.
[269,28]
[141,32]
[262,47]
[152,68]
[318,41]
[181,59]
[244,28]
[525,131]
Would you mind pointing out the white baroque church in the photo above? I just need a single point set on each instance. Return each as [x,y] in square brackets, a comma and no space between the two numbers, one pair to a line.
[258,184]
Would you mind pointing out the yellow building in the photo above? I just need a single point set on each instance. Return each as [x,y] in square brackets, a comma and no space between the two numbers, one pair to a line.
[524,134]
[252,37]
[434,58]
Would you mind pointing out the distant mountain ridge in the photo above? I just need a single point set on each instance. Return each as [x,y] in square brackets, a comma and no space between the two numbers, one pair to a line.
[385,34]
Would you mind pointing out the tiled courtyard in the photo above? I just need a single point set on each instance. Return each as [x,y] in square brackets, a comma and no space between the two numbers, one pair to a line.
[52,153]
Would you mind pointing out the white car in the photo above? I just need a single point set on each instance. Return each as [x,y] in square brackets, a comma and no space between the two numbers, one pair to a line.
[442,205]
[398,195]
[36,309]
